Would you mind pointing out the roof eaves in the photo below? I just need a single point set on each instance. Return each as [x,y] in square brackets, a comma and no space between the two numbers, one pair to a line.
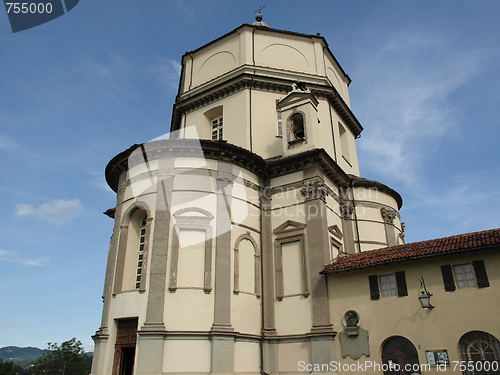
[404,259]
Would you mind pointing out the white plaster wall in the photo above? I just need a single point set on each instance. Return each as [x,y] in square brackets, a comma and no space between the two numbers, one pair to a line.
[290,354]
[349,165]
[287,179]
[371,231]
[335,75]
[246,313]
[286,197]
[293,315]
[189,310]
[374,195]
[292,268]
[246,357]
[215,60]
[284,51]
[127,304]
[186,356]
[191,259]
[236,127]
[265,124]
[324,128]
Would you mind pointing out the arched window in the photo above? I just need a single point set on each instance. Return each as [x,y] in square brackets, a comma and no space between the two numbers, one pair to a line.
[297,126]
[246,266]
[399,353]
[481,348]
[131,266]
[140,253]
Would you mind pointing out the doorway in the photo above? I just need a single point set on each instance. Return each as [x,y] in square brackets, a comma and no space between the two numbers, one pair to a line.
[400,357]
[126,338]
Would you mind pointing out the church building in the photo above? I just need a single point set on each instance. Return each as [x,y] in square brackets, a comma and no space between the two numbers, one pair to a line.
[233,234]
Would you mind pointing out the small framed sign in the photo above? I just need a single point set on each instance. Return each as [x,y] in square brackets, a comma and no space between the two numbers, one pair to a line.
[437,357]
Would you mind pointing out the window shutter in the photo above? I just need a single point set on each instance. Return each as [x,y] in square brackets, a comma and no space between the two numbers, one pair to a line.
[374,292]
[449,282]
[401,284]
[481,276]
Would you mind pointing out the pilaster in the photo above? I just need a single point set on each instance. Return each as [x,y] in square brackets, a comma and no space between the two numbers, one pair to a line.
[222,351]
[268,297]
[390,234]
[314,191]
[111,266]
[151,336]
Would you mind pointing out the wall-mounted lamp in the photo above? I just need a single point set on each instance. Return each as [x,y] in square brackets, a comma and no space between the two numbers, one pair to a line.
[425,296]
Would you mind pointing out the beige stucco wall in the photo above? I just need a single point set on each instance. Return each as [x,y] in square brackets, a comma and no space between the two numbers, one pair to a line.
[281,55]
[455,313]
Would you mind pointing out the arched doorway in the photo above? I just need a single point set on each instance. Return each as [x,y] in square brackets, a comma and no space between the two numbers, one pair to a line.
[400,356]
[483,350]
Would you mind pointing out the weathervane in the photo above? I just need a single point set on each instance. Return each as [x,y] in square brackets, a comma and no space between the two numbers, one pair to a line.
[260,8]
[258,16]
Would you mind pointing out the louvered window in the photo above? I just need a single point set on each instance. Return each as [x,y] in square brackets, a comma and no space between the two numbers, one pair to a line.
[393,284]
[464,276]
[469,275]
[388,285]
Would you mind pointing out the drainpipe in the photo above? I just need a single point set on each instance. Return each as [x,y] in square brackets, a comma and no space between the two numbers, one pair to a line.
[355,214]
[261,344]
[251,85]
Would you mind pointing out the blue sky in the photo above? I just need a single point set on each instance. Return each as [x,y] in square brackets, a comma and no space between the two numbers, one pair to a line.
[80,89]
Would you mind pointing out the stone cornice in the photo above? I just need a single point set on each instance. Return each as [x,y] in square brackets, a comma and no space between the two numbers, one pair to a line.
[264,83]
[243,158]
[363,182]
[285,165]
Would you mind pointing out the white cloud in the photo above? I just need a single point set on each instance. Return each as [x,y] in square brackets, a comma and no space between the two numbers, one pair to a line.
[406,90]
[16,257]
[58,211]
[111,77]
[88,348]
[165,72]
[186,10]
[7,142]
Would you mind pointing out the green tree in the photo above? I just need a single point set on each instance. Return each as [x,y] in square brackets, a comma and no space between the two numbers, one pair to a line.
[7,368]
[65,359]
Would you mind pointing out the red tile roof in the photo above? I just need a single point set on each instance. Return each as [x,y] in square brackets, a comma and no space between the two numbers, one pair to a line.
[416,250]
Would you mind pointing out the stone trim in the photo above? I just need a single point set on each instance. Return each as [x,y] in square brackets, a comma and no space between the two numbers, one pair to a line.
[257,275]
[338,245]
[388,216]
[289,228]
[145,254]
[245,159]
[238,336]
[246,227]
[373,242]
[335,230]
[278,251]
[222,288]
[268,288]
[346,210]
[201,223]
[245,80]
[159,248]
[120,262]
